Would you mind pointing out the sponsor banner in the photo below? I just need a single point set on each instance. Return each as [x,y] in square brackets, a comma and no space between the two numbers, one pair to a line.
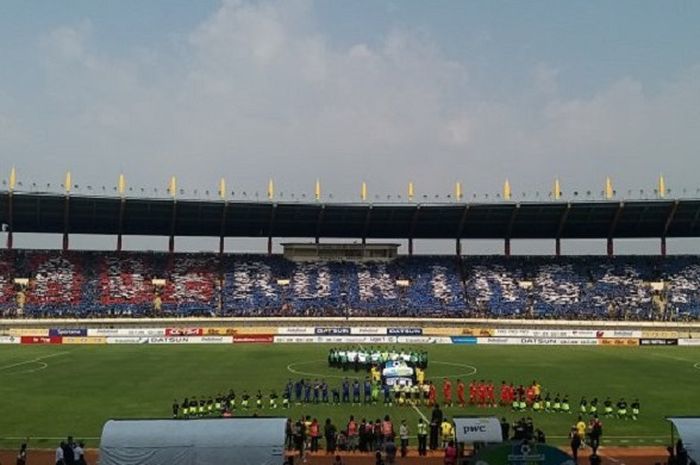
[689,342]
[654,334]
[519,453]
[256,330]
[478,429]
[28,332]
[619,334]
[218,331]
[538,341]
[68,332]
[463,340]
[84,340]
[423,340]
[41,340]
[546,333]
[332,331]
[295,330]
[404,331]
[295,339]
[127,332]
[368,330]
[482,332]
[211,340]
[356,339]
[440,331]
[9,339]
[658,342]
[127,340]
[168,340]
[618,342]
[183,331]
[253,339]
[338,339]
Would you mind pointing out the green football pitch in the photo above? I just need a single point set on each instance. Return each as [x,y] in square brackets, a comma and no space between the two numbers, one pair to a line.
[48,392]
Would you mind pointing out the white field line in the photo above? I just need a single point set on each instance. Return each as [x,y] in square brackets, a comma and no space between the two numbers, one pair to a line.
[34,360]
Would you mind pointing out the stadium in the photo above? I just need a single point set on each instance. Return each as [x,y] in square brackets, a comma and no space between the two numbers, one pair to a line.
[94,336]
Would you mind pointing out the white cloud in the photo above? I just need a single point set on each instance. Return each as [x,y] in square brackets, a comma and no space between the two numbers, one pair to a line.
[260,92]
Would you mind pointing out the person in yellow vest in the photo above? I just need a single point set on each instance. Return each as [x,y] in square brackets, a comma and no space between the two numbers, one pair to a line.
[447,431]
[420,376]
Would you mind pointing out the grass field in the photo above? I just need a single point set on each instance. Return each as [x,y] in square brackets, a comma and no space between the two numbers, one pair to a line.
[50,391]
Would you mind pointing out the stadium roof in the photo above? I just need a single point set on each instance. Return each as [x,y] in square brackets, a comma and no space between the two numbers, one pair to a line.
[80,214]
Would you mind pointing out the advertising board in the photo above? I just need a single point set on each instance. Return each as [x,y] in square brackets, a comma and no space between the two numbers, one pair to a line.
[658,342]
[41,340]
[68,332]
[254,339]
[618,342]
[366,330]
[291,330]
[538,341]
[126,332]
[84,340]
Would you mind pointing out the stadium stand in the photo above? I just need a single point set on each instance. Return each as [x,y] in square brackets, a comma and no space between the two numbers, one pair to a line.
[133,284]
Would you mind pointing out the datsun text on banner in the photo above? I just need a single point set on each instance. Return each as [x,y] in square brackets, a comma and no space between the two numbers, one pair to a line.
[404,331]
[332,331]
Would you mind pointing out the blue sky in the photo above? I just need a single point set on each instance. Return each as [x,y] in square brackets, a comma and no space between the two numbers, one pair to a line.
[384,92]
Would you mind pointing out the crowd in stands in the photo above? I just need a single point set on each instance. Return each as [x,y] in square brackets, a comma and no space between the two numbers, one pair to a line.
[133,284]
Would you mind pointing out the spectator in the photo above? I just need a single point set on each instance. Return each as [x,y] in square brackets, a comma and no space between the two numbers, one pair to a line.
[575,444]
[68,455]
[390,451]
[435,422]
[329,433]
[315,431]
[596,432]
[79,453]
[60,459]
[403,435]
[337,460]
[378,458]
[505,429]
[450,454]
[22,454]
[422,438]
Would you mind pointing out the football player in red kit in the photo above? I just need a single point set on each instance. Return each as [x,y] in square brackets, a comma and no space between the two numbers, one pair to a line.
[490,394]
[447,392]
[460,393]
[504,393]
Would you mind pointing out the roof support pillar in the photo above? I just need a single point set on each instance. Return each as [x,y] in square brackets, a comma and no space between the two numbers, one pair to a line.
[412,231]
[368,217]
[560,229]
[10,220]
[458,247]
[270,228]
[667,225]
[66,218]
[509,232]
[120,225]
[611,231]
[319,221]
[171,240]
[222,229]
